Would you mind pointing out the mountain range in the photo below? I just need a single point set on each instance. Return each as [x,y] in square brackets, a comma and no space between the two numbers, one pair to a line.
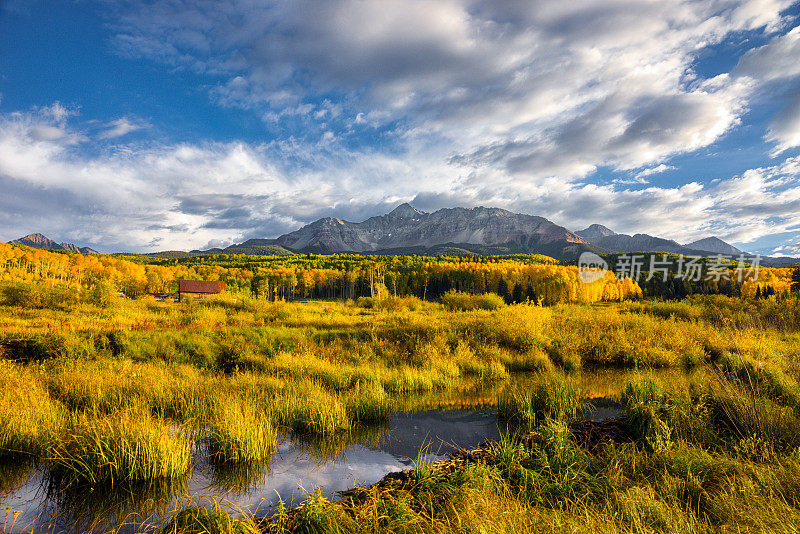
[42,241]
[453,231]
[407,230]
[606,238]
[450,231]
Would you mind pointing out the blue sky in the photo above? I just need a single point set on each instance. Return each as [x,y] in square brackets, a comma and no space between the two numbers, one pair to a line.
[172,124]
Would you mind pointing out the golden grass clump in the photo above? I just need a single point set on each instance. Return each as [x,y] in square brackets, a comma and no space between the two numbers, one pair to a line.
[29,418]
[239,432]
[550,396]
[368,402]
[308,408]
[121,448]
[458,301]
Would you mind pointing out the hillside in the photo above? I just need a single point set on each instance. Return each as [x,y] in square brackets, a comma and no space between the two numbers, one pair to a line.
[715,245]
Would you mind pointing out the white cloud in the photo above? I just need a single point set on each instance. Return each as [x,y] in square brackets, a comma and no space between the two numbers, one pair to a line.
[784,130]
[791,250]
[122,126]
[544,89]
[496,103]
[44,132]
[188,195]
[125,197]
[653,170]
[774,61]
[57,113]
[774,69]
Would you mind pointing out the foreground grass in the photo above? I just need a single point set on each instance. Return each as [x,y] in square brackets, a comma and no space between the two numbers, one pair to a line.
[550,483]
[708,459]
[127,394]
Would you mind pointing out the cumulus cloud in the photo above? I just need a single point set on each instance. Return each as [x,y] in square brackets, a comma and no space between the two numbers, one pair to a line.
[548,89]
[188,195]
[144,196]
[775,60]
[457,102]
[773,69]
[126,196]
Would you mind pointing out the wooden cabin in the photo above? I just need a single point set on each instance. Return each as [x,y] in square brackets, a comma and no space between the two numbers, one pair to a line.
[199,289]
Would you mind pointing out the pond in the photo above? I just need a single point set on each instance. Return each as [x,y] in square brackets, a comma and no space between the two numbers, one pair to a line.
[427,427]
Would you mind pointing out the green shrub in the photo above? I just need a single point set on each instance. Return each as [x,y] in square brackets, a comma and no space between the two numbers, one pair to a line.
[459,301]
[103,294]
[38,296]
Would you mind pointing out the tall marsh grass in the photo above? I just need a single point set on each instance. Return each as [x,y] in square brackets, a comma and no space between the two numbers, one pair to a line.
[114,395]
[196,519]
[121,449]
[761,378]
[368,402]
[458,301]
[552,396]
[29,419]
[310,409]
[239,432]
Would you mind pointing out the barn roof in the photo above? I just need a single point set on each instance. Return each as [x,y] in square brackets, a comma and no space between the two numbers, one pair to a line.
[200,286]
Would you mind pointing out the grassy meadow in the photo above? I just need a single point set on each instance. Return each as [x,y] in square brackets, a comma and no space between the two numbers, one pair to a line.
[100,391]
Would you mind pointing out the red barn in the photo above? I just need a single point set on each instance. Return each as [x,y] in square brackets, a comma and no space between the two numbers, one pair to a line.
[199,289]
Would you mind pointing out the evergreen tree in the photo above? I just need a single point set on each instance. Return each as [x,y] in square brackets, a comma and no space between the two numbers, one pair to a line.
[678,288]
[758,292]
[531,296]
[502,290]
[795,287]
[517,295]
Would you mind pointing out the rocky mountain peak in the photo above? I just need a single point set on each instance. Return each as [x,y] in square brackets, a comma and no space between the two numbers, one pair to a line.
[406,226]
[406,211]
[38,240]
[596,231]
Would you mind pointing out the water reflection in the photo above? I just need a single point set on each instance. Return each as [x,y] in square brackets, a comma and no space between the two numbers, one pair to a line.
[78,508]
[236,477]
[436,422]
[299,466]
[362,456]
[15,472]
